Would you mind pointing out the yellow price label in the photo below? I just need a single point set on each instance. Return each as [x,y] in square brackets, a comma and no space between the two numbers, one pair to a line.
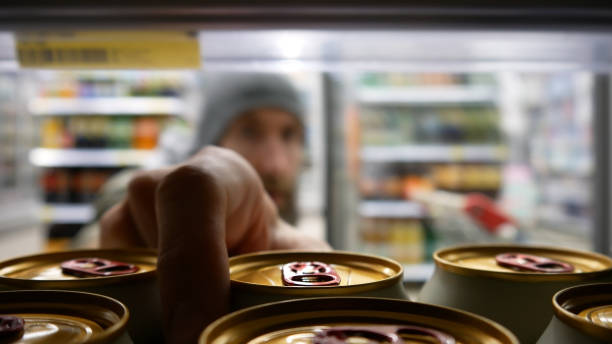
[456,153]
[108,49]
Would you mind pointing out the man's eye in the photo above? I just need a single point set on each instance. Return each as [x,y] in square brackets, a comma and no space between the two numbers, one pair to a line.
[250,133]
[289,135]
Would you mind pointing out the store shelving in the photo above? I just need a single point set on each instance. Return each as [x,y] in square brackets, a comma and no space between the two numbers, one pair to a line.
[58,106]
[51,157]
[419,132]
[427,94]
[433,153]
[90,126]
[60,213]
[391,209]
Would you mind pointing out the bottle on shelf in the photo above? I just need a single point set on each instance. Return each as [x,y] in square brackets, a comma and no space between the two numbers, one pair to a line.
[99,132]
[51,133]
[63,186]
[146,131]
[49,184]
[73,185]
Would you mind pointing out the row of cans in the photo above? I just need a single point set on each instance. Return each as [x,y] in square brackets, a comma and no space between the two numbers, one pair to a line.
[478,294]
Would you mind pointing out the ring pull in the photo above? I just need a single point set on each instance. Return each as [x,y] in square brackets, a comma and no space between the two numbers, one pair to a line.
[531,263]
[309,274]
[11,326]
[97,267]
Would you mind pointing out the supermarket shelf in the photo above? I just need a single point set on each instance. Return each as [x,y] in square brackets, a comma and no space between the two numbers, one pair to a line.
[425,95]
[49,157]
[107,106]
[67,213]
[434,153]
[391,209]
[418,272]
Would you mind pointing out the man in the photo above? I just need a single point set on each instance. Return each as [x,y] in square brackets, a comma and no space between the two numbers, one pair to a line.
[259,116]
[220,202]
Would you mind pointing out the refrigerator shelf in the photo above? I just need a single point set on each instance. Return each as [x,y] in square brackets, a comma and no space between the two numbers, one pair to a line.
[66,213]
[51,157]
[434,153]
[391,209]
[106,106]
[427,95]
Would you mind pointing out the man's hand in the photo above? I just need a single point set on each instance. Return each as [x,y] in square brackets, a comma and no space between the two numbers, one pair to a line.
[197,214]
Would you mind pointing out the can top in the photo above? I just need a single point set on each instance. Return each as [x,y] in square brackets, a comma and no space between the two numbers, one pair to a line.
[523,263]
[293,272]
[321,320]
[65,317]
[600,315]
[69,269]
[587,308]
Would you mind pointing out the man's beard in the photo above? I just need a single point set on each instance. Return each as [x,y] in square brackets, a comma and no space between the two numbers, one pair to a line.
[287,206]
[289,212]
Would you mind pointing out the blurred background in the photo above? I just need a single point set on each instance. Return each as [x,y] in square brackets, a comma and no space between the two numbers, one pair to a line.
[416,139]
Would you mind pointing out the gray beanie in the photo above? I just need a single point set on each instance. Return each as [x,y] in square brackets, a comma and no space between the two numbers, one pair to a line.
[229,95]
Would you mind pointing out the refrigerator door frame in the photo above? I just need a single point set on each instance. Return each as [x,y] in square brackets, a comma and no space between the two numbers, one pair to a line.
[602,126]
[194,14]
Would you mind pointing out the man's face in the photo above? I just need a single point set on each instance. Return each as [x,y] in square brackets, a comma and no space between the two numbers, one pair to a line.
[271,140]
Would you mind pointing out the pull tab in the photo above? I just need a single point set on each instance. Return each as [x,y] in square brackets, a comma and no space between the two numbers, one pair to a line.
[11,326]
[95,267]
[527,262]
[381,334]
[309,274]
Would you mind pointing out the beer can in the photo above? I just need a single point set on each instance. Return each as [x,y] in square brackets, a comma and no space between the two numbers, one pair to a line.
[583,314]
[353,320]
[281,275]
[126,275]
[61,317]
[510,284]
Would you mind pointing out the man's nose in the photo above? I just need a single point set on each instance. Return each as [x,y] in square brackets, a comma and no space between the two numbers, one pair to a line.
[273,157]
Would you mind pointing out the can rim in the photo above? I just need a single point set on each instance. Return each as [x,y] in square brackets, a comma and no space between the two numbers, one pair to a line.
[389,281]
[80,282]
[447,265]
[66,297]
[569,297]
[318,304]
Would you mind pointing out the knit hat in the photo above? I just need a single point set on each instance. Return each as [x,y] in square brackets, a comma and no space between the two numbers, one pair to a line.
[229,95]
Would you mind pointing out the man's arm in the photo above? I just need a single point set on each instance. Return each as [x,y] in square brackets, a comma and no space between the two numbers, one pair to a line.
[195,214]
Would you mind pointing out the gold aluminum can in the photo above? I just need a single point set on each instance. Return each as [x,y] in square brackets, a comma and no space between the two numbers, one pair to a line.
[136,288]
[356,320]
[62,317]
[583,314]
[503,282]
[262,277]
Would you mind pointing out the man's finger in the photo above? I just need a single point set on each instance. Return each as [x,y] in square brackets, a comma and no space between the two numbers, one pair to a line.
[141,200]
[117,228]
[247,218]
[193,262]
